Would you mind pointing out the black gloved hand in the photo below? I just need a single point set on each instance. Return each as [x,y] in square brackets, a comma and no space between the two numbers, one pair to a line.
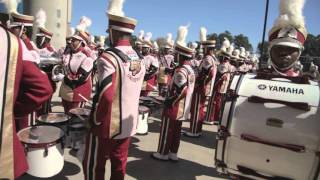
[168,102]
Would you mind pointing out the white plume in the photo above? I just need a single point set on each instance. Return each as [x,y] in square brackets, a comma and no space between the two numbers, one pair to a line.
[41,18]
[92,38]
[70,31]
[242,51]
[236,52]
[115,7]
[247,54]
[155,45]
[230,49]
[141,34]
[148,37]
[194,45]
[84,23]
[203,34]
[101,41]
[291,13]
[172,42]
[169,38]
[10,5]
[225,44]
[182,35]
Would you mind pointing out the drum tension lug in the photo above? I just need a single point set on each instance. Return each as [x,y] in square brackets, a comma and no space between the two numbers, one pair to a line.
[45,153]
[26,150]
[220,164]
[231,95]
[222,133]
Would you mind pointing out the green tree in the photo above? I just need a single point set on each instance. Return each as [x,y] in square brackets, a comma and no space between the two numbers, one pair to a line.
[265,55]
[221,37]
[161,41]
[242,41]
[312,46]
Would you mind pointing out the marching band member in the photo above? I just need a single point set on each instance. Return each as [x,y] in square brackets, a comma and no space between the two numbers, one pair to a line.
[194,62]
[166,65]
[313,72]
[115,105]
[286,39]
[101,45]
[152,66]
[139,41]
[223,77]
[204,85]
[242,57]
[43,38]
[76,87]
[21,25]
[25,89]
[67,48]
[179,95]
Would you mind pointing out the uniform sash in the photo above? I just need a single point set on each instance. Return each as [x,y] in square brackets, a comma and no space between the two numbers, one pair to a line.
[9,48]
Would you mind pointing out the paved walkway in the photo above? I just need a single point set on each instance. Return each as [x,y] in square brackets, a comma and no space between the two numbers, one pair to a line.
[196,157]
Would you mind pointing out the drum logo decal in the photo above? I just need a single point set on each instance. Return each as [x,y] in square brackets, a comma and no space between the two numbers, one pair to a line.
[135,67]
[281,89]
[262,86]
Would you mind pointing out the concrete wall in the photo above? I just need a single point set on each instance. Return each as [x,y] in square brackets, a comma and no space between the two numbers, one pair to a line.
[58,17]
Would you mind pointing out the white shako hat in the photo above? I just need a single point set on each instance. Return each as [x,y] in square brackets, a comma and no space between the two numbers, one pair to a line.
[181,45]
[117,19]
[203,39]
[224,48]
[70,32]
[17,19]
[81,30]
[41,19]
[101,41]
[242,52]
[155,46]
[236,54]
[169,42]
[230,50]
[147,40]
[289,28]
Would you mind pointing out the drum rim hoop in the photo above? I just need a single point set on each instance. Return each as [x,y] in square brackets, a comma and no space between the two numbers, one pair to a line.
[68,118]
[43,145]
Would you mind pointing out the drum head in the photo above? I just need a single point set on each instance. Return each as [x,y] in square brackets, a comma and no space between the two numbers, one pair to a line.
[53,118]
[80,111]
[40,135]
[146,98]
[159,98]
[143,109]
[49,60]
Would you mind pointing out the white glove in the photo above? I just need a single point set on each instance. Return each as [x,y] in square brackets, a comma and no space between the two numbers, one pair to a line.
[58,77]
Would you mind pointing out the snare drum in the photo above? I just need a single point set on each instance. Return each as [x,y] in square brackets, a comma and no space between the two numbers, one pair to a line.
[159,99]
[55,119]
[44,150]
[77,127]
[142,125]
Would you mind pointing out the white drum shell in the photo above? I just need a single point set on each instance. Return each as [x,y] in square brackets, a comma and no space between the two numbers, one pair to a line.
[142,125]
[298,127]
[45,166]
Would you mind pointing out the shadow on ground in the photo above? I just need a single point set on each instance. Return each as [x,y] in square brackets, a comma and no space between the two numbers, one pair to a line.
[145,167]
[69,169]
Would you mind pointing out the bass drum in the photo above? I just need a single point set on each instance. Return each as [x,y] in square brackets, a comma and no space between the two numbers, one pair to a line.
[44,149]
[269,129]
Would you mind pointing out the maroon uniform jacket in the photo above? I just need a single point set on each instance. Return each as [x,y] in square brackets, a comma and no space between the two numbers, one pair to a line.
[26,88]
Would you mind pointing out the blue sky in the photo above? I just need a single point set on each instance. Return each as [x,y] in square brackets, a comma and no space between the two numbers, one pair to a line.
[163,16]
